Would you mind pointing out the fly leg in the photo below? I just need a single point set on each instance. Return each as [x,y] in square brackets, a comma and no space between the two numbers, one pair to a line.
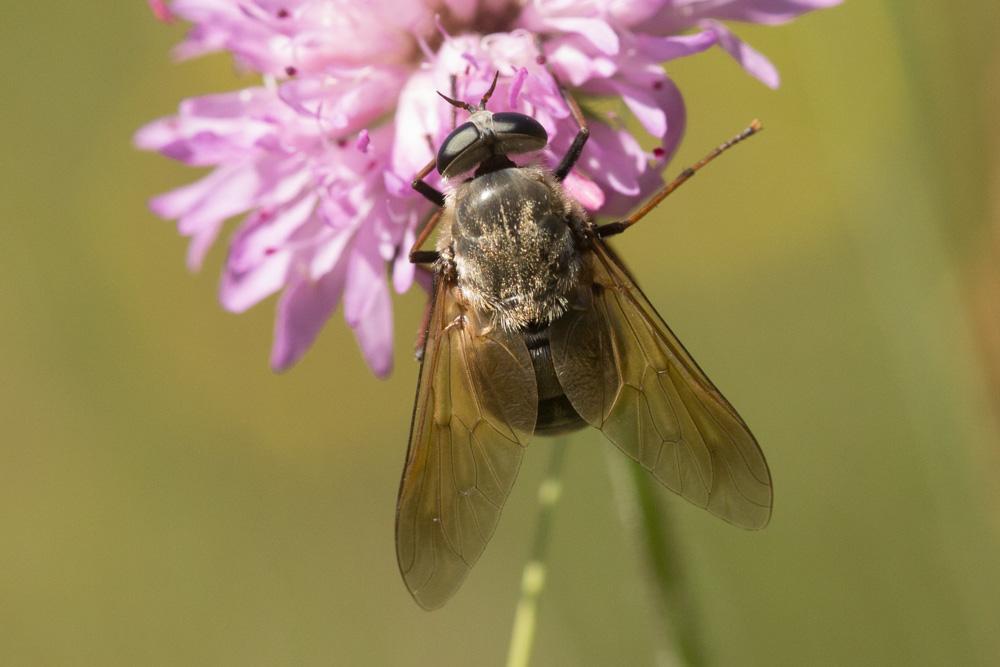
[620,226]
[422,258]
[432,194]
[582,133]
[425,321]
[418,256]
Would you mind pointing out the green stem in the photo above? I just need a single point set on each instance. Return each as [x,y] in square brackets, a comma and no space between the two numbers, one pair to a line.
[522,635]
[645,517]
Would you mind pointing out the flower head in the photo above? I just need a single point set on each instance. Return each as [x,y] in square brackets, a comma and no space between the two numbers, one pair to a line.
[317,158]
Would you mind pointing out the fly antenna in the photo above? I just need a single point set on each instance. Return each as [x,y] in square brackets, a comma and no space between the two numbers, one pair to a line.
[489,93]
[465,105]
[457,103]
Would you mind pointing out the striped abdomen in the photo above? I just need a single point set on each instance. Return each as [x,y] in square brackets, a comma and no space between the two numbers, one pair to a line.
[555,412]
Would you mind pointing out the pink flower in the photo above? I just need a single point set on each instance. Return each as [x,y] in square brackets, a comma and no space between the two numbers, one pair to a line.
[317,158]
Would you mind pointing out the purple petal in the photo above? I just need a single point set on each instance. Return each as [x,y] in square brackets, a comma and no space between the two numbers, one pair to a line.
[768,12]
[214,129]
[231,190]
[402,267]
[753,61]
[303,310]
[240,291]
[595,31]
[662,49]
[374,331]
[645,106]
[614,159]
[673,105]
[683,14]
[365,270]
[266,231]
[199,214]
[420,114]
[345,103]
[585,191]
[619,205]
[329,251]
[201,241]
[633,12]
[367,307]
[177,202]
[575,64]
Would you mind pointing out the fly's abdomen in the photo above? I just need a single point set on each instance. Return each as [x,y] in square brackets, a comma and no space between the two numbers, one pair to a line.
[555,412]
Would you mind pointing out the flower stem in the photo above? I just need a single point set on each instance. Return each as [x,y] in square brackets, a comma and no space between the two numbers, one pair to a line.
[522,635]
[642,511]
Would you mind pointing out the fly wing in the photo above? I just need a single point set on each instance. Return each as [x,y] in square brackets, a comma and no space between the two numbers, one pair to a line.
[475,410]
[626,374]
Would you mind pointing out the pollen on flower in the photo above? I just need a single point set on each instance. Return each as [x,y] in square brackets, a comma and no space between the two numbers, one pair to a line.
[283,13]
[659,152]
[291,71]
[363,141]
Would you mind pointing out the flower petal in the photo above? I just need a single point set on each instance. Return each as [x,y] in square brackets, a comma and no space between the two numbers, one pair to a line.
[240,291]
[365,270]
[672,103]
[646,108]
[374,331]
[303,310]
[631,13]
[267,230]
[584,190]
[768,12]
[575,63]
[683,14]
[402,267]
[662,49]
[595,31]
[614,160]
[754,62]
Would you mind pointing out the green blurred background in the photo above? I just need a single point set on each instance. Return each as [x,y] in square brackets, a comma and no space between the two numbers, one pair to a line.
[166,500]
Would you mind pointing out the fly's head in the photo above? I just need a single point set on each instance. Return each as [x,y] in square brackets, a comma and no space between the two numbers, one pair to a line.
[484,141]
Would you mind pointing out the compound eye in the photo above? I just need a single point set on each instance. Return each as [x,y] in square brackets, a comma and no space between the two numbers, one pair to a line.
[518,133]
[460,151]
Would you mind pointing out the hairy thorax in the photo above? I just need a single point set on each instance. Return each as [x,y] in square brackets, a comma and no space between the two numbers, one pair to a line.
[512,237]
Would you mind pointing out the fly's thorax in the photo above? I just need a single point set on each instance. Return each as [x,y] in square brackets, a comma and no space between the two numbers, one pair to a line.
[514,237]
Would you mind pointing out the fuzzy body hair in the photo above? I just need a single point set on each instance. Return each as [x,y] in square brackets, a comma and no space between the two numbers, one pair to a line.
[512,239]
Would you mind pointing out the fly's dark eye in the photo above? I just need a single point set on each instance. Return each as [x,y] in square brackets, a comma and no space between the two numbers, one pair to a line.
[518,133]
[487,135]
[452,156]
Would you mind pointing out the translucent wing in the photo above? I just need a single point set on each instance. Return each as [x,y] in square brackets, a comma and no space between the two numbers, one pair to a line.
[475,410]
[626,373]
